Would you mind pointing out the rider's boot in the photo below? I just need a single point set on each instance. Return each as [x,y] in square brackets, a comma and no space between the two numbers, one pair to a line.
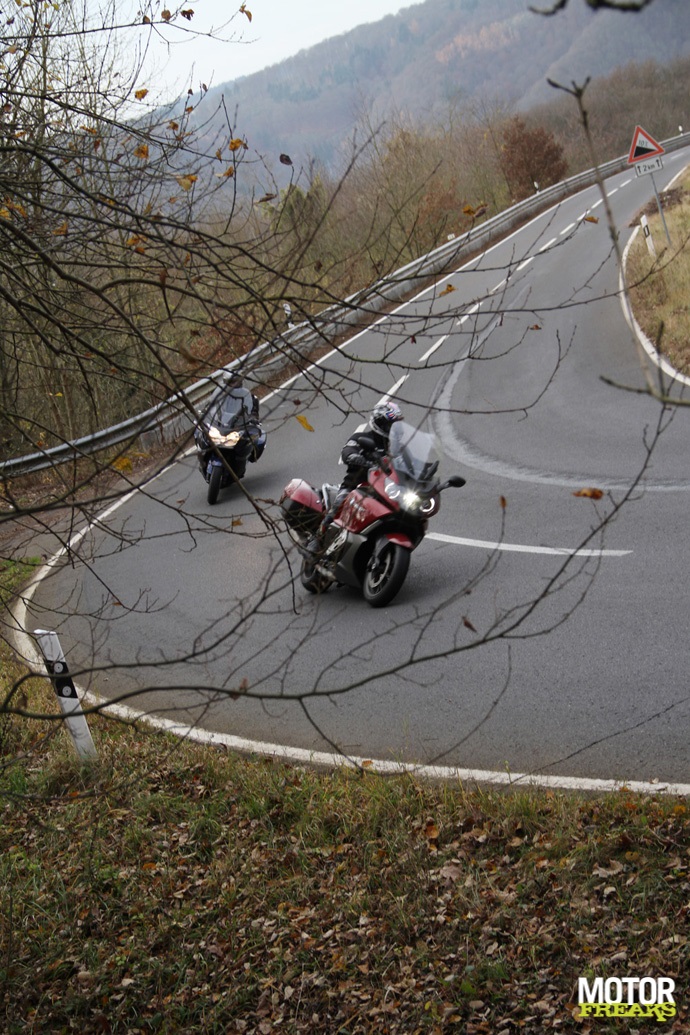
[317,542]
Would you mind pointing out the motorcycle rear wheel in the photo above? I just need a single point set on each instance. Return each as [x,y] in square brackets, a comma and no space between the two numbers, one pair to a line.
[385,575]
[312,580]
[214,484]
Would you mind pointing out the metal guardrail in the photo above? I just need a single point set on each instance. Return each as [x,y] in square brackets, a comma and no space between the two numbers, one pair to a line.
[171,419]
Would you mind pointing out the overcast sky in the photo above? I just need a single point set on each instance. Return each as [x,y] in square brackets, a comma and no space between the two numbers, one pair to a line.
[278,29]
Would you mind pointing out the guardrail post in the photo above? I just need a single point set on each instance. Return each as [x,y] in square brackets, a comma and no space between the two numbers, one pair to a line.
[75,720]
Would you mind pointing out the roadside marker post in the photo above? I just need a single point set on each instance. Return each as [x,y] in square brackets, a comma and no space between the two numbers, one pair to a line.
[75,720]
[648,236]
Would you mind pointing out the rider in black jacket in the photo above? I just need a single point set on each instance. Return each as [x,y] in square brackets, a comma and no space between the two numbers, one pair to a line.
[358,457]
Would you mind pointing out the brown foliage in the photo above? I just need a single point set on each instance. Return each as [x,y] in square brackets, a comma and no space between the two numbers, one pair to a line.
[532,158]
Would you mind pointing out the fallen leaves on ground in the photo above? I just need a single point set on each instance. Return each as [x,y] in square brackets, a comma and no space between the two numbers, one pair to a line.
[181,889]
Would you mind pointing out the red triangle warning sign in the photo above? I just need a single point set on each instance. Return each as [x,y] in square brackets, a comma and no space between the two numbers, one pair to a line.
[643,146]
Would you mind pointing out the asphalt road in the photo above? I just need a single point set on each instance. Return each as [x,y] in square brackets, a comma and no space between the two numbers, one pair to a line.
[506,650]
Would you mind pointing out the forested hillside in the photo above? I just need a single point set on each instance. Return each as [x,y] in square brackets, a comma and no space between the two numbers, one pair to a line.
[437,56]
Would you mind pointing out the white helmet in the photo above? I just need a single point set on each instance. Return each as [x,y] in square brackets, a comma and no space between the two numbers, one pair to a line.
[382,416]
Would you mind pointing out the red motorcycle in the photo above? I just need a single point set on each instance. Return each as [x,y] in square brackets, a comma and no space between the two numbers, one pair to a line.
[382,520]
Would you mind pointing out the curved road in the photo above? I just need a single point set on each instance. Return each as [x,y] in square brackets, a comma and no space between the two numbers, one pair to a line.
[583,672]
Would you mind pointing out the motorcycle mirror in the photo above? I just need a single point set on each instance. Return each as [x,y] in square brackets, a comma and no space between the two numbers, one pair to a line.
[456,481]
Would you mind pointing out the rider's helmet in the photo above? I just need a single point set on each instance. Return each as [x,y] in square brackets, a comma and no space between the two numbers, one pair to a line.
[233,381]
[382,416]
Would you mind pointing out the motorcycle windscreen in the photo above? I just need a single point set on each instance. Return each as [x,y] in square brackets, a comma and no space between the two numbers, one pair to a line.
[414,454]
[230,408]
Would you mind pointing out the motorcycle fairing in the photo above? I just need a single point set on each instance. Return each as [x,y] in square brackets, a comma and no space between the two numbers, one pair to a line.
[360,509]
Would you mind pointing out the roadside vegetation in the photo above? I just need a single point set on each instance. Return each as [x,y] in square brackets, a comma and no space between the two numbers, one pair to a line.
[660,280]
[171,887]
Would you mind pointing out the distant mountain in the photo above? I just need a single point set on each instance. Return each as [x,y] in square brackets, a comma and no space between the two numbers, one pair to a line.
[438,54]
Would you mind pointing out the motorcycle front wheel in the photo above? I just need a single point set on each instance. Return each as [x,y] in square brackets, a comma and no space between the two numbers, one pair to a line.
[385,575]
[214,484]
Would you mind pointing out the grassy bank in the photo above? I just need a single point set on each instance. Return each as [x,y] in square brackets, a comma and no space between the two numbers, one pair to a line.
[660,280]
[174,889]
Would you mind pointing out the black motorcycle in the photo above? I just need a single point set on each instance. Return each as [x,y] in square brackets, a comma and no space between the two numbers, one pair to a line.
[228,436]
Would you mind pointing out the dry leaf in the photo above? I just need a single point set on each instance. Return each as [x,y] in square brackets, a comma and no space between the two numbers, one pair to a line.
[589,494]
[166,15]
[447,290]
[236,143]
[504,502]
[243,10]
[304,422]
[140,94]
[187,182]
[468,624]
[142,151]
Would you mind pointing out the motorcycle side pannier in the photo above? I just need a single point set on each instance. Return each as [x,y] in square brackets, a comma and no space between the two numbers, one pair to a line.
[301,505]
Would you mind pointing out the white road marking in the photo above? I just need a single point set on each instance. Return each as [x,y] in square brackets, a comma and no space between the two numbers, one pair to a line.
[437,345]
[332,760]
[394,389]
[470,311]
[561,551]
[548,244]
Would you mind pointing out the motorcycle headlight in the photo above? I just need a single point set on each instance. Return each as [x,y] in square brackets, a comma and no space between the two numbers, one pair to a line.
[411,501]
[391,489]
[219,439]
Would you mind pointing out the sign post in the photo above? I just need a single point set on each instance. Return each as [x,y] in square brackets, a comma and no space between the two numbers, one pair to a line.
[75,720]
[645,155]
